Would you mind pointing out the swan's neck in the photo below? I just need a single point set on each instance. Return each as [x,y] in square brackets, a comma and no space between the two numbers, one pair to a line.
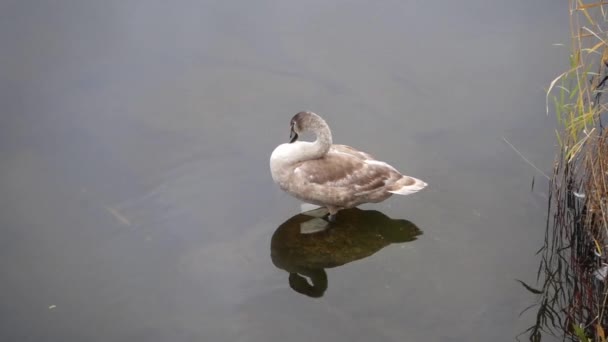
[303,150]
[286,155]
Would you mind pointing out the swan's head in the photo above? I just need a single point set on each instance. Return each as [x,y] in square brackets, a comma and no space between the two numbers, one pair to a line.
[305,122]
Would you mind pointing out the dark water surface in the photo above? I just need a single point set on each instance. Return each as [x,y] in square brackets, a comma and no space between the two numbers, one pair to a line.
[136,200]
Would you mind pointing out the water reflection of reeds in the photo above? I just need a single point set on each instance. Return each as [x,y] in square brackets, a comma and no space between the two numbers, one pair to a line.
[572,296]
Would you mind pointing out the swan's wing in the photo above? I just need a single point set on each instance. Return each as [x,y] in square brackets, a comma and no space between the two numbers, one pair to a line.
[351,151]
[337,169]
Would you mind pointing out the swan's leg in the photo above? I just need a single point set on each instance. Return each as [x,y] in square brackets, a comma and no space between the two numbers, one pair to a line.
[332,213]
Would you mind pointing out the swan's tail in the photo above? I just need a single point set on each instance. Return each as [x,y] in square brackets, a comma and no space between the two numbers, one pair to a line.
[407,186]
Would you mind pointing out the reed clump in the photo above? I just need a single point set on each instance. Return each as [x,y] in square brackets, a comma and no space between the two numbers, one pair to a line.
[574,258]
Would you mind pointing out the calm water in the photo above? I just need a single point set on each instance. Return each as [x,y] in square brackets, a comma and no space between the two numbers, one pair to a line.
[137,203]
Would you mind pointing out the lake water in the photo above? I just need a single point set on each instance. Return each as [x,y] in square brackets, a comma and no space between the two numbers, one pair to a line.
[137,202]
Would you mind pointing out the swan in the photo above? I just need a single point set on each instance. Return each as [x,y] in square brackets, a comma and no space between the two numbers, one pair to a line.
[330,175]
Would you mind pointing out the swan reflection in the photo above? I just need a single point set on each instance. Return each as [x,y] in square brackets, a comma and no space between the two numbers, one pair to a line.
[355,235]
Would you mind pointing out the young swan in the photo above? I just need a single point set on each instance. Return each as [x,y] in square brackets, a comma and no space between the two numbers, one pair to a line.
[333,176]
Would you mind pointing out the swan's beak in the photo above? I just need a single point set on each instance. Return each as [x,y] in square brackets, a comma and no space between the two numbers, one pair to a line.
[293,136]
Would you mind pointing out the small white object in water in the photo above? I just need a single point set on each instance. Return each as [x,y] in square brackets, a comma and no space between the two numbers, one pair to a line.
[313,226]
[308,207]
[319,212]
[51,307]
[601,272]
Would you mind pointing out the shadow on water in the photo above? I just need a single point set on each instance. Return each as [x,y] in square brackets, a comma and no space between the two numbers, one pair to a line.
[355,235]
